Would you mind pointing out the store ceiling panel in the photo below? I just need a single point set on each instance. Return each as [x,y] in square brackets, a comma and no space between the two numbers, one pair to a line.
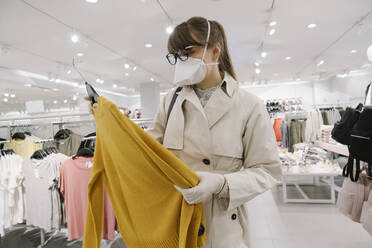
[36,37]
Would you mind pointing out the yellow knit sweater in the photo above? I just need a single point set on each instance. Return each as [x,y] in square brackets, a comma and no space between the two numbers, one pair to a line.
[139,174]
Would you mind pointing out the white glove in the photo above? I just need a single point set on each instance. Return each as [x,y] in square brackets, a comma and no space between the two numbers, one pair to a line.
[210,183]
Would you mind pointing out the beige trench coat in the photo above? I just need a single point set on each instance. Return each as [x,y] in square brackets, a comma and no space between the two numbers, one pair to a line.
[231,135]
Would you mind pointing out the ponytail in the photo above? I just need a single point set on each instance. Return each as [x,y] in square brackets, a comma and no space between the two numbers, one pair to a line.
[225,63]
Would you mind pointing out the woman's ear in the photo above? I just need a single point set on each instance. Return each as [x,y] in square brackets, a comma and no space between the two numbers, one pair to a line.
[216,52]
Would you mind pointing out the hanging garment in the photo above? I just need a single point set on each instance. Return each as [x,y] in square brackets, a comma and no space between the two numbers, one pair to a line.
[278,133]
[73,183]
[43,205]
[139,175]
[11,191]
[70,145]
[284,131]
[24,147]
[353,195]
[325,117]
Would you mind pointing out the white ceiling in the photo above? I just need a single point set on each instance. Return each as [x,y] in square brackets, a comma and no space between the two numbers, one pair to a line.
[36,35]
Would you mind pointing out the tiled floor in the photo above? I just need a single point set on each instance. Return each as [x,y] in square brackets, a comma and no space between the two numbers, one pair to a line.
[277,225]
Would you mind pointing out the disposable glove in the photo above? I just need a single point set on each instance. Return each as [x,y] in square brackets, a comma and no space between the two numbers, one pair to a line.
[210,183]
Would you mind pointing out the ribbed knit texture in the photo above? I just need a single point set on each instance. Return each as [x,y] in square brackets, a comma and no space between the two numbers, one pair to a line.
[138,174]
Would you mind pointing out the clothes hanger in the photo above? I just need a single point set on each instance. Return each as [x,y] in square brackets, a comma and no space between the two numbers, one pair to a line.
[92,93]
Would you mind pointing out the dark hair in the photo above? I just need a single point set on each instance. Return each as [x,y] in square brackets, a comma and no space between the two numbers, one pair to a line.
[181,38]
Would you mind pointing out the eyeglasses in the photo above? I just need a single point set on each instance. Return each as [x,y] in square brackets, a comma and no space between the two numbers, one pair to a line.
[181,55]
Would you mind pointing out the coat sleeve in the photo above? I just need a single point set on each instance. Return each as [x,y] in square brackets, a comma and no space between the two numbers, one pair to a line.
[261,167]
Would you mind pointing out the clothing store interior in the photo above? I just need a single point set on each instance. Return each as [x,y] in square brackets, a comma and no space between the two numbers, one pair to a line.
[170,123]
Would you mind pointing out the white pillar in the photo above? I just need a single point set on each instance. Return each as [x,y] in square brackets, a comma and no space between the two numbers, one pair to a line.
[150,99]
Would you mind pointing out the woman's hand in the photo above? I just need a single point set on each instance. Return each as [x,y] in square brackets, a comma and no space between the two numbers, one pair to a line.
[210,183]
[90,105]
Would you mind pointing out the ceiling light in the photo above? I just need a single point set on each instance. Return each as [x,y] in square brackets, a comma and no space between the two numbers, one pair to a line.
[80,54]
[272,32]
[148,45]
[75,38]
[353,51]
[98,80]
[343,75]
[101,81]
[272,24]
[134,68]
[65,101]
[127,74]
[55,89]
[256,64]
[6,94]
[276,74]
[263,54]
[288,58]
[126,66]
[55,101]
[169,29]
[91,1]
[5,99]
[152,79]
[258,70]
[68,72]
[115,86]
[12,95]
[298,79]
[58,80]
[28,85]
[74,98]
[312,25]
[320,63]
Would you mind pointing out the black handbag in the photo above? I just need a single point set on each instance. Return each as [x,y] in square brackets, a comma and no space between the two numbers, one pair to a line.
[360,146]
[342,129]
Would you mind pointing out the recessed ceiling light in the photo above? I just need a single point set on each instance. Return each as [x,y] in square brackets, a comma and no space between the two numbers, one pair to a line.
[263,54]
[272,24]
[91,1]
[74,98]
[75,38]
[12,95]
[55,101]
[258,70]
[28,85]
[353,51]
[298,79]
[6,94]
[68,72]
[98,80]
[169,29]
[320,63]
[288,58]
[114,85]
[312,25]
[256,64]
[65,101]
[127,74]
[152,79]
[101,81]
[148,45]
[58,80]
[134,68]
[5,100]
[126,66]
[55,89]
[272,32]
[80,54]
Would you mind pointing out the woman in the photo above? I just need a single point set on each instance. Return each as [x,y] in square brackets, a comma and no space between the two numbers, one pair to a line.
[221,132]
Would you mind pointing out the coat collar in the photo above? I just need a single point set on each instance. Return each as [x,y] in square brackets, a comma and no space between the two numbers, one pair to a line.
[219,103]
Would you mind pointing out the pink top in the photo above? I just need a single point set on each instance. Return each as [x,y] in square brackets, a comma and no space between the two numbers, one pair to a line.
[73,184]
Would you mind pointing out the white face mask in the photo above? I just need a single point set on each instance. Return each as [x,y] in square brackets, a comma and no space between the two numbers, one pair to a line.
[192,71]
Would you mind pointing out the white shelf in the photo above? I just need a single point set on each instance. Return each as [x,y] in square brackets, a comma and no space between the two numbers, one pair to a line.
[338,148]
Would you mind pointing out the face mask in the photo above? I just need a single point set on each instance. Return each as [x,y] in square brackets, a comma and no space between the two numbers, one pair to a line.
[192,71]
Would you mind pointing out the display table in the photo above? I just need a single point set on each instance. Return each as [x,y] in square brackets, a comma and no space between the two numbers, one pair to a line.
[315,173]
